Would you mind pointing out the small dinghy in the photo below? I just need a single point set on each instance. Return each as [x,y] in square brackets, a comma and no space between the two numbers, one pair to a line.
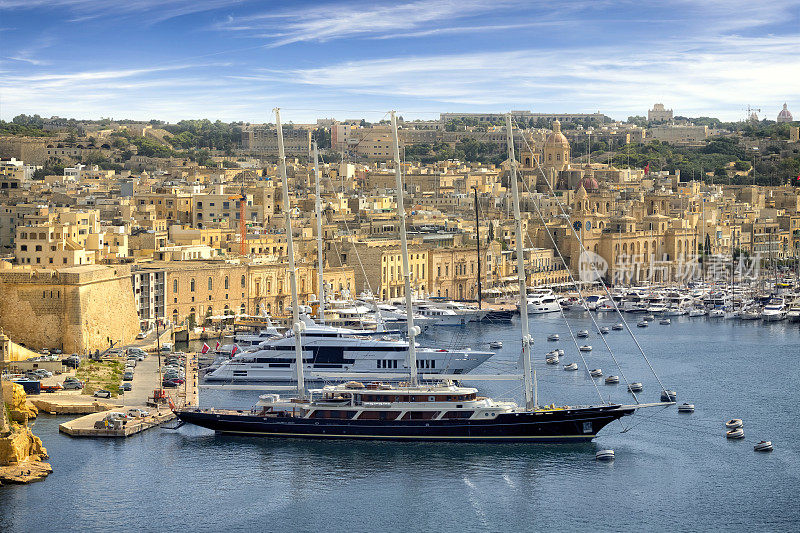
[553,337]
[553,360]
[604,330]
[612,380]
[618,327]
[648,318]
[686,408]
[665,322]
[496,345]
[571,366]
[596,373]
[642,324]
[635,387]
[553,353]
[734,423]
[604,455]
[668,395]
[560,352]
[585,348]
[737,433]
[583,334]
[763,446]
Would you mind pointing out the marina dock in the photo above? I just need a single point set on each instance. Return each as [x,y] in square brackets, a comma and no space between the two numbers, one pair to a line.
[84,426]
[146,380]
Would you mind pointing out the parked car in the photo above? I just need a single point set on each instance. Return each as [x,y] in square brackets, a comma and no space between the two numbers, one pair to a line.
[138,413]
[127,376]
[102,393]
[131,361]
[72,385]
[73,361]
[43,373]
[172,383]
[126,387]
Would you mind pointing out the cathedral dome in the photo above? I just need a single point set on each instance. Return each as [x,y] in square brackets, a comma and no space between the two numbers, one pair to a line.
[556,139]
[785,115]
[589,184]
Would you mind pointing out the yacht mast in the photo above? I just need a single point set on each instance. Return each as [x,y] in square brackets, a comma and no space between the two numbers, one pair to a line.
[318,211]
[296,324]
[478,240]
[529,382]
[401,216]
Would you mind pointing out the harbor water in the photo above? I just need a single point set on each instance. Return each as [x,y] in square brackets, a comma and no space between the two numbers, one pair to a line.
[672,472]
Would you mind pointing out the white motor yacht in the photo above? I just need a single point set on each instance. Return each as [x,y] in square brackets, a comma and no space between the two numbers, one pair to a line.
[594,301]
[774,311]
[542,301]
[332,349]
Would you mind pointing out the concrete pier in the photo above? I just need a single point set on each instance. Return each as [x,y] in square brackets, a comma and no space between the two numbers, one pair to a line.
[146,380]
[84,426]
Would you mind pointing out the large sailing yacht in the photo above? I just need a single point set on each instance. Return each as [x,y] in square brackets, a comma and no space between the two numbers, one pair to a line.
[411,410]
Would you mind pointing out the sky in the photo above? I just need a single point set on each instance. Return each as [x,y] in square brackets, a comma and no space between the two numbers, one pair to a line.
[236,60]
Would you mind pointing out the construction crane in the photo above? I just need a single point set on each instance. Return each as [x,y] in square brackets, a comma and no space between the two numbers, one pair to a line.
[752,113]
[242,198]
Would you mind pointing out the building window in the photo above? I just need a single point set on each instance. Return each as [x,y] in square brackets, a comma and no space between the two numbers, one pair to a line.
[226,282]
[243,281]
[191,285]
[210,284]
[174,285]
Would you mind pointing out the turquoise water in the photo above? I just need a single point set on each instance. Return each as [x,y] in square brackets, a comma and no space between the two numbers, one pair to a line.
[672,471]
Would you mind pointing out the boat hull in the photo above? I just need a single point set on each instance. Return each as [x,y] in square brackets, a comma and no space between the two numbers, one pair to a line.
[571,425]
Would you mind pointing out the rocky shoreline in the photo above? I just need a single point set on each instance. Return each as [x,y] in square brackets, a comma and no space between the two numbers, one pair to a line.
[22,455]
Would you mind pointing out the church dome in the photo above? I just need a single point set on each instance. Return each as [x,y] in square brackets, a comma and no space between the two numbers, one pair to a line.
[589,184]
[556,139]
[785,115]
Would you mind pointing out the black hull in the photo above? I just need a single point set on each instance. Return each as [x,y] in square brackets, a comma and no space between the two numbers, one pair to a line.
[573,425]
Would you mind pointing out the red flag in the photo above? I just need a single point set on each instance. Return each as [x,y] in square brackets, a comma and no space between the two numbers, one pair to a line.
[217,346]
[647,169]
[205,349]
[235,349]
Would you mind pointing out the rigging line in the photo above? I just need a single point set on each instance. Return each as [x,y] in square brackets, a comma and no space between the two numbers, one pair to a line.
[355,248]
[605,289]
[583,301]
[642,419]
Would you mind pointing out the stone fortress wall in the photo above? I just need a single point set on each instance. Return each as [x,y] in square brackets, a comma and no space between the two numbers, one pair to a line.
[75,309]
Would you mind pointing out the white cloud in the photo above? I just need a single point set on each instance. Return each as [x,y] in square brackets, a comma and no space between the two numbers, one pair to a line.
[337,21]
[693,77]
[158,10]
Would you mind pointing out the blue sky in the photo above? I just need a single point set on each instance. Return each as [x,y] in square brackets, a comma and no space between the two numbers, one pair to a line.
[236,60]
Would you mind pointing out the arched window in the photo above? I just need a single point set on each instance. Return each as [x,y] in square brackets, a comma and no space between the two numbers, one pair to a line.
[242,309]
[210,283]
[191,288]
[226,282]
[193,314]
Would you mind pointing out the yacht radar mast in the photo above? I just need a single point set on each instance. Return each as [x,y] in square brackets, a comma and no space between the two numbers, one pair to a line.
[401,216]
[529,383]
[297,325]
